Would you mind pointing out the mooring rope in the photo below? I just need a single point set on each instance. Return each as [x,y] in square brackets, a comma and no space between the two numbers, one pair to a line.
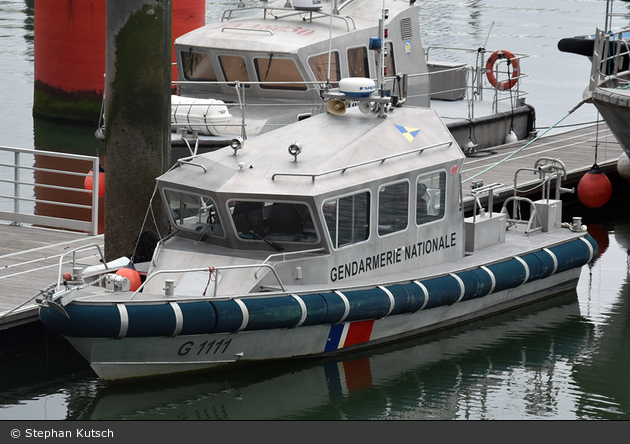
[528,143]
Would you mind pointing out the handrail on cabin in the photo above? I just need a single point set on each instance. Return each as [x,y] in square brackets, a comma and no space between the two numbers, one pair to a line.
[380,159]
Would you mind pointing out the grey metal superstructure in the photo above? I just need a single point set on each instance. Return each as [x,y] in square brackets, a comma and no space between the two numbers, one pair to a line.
[341,156]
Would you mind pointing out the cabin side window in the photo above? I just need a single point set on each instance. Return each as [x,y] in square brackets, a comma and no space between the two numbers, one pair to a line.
[358,62]
[390,68]
[430,197]
[272,221]
[234,68]
[197,66]
[319,66]
[194,212]
[348,218]
[393,208]
[272,69]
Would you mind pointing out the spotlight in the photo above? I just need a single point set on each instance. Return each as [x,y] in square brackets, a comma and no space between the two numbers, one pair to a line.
[294,149]
[236,144]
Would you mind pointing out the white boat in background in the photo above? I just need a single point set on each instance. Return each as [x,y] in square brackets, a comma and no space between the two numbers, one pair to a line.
[271,64]
[323,236]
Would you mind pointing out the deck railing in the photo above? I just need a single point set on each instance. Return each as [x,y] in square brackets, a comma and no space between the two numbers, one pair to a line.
[472,88]
[476,82]
[611,51]
[611,54]
[32,191]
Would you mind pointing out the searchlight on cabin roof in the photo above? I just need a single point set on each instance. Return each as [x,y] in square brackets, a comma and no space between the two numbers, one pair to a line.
[236,144]
[295,149]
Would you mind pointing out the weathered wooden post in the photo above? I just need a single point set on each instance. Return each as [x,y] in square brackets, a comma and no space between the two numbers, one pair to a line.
[137,117]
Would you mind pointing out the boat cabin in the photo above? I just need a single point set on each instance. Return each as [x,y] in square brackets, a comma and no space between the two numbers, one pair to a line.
[289,52]
[329,199]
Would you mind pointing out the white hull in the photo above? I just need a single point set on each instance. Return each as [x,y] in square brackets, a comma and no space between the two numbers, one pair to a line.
[118,360]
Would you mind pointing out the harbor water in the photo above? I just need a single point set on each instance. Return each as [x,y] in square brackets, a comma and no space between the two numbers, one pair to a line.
[565,358]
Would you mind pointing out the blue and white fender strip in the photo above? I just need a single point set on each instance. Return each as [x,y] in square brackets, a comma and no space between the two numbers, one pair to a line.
[346,304]
[462,286]
[392,301]
[124,321]
[555,259]
[179,319]
[245,312]
[492,277]
[524,266]
[425,292]
[302,307]
[590,248]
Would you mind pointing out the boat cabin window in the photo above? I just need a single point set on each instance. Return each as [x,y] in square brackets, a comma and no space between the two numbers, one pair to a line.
[194,212]
[430,198]
[393,207]
[390,68]
[348,218]
[272,221]
[358,65]
[234,68]
[197,66]
[319,66]
[272,69]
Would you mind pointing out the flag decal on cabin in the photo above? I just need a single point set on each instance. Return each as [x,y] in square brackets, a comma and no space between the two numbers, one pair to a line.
[409,133]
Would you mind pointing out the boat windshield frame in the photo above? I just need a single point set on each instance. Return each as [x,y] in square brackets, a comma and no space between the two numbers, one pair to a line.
[273,221]
[202,216]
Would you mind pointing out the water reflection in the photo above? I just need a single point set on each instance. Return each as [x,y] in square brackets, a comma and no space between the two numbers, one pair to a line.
[29,27]
[602,373]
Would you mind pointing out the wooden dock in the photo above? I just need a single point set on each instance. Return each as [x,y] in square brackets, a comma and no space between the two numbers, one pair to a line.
[575,148]
[29,256]
[29,262]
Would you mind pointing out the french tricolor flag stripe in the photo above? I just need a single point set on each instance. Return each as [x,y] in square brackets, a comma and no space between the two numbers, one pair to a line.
[347,334]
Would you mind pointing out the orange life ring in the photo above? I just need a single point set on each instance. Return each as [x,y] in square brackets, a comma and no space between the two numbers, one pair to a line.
[516,72]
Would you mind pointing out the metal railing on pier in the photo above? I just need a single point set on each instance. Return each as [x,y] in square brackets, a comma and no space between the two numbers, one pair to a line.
[33,191]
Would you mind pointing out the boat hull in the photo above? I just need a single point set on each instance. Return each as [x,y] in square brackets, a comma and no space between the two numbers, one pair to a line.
[614,106]
[119,360]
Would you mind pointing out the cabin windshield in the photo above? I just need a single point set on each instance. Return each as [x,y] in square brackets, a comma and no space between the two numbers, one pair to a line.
[319,66]
[431,195]
[197,66]
[194,212]
[348,218]
[393,207]
[277,71]
[234,68]
[272,221]
[358,65]
[273,69]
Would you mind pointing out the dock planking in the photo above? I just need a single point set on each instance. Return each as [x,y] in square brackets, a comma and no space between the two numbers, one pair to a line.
[29,262]
[575,148]
[29,256]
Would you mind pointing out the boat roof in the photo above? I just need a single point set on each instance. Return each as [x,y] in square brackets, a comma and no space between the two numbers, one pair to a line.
[290,30]
[338,152]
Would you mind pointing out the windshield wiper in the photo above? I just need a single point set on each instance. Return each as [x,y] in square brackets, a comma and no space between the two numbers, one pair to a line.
[263,238]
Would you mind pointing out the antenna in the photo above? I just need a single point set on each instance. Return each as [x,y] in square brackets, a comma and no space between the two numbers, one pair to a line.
[329,43]
[485,44]
[382,51]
